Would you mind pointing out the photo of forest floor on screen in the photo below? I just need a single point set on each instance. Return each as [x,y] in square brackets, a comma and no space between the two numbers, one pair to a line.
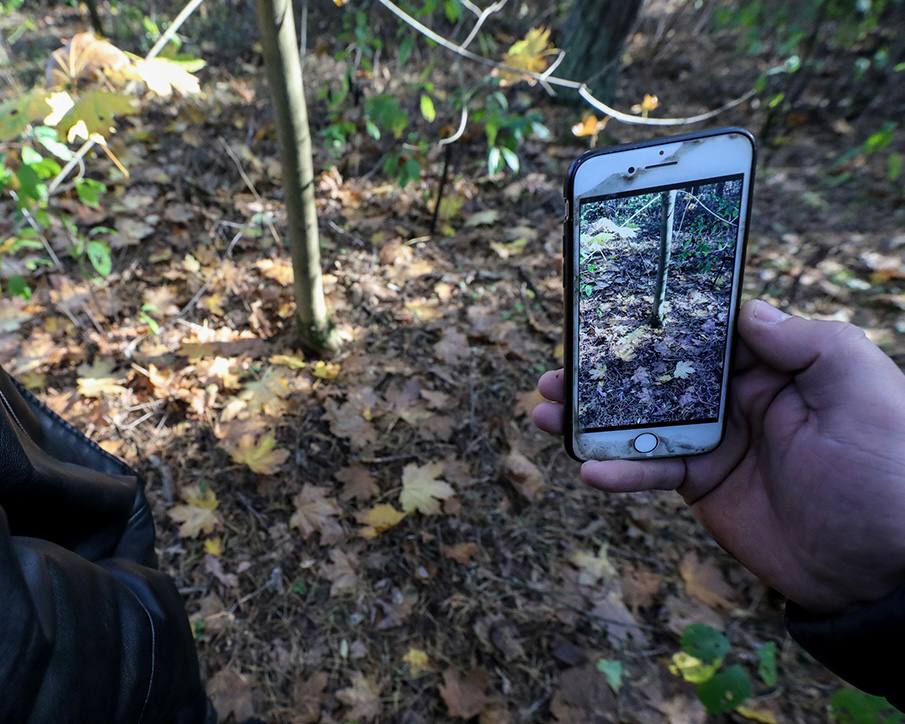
[655,284]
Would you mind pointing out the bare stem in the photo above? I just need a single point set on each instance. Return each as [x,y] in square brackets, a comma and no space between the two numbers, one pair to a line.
[583,91]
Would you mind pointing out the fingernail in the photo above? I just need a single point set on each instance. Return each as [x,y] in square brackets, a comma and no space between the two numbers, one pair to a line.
[768,314]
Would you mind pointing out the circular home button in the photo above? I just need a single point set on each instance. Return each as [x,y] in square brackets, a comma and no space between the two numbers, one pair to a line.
[646,442]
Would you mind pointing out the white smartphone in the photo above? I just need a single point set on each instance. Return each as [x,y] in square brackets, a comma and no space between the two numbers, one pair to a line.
[654,248]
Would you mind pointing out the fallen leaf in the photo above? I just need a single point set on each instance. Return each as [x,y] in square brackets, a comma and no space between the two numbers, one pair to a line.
[214,566]
[259,453]
[593,568]
[764,716]
[99,379]
[483,218]
[280,270]
[460,552]
[640,587]
[452,347]
[524,475]
[231,695]
[346,422]
[683,370]
[362,697]
[199,513]
[325,370]
[417,660]
[378,519]
[307,696]
[341,572]
[421,489]
[465,694]
[358,483]
[315,512]
[705,582]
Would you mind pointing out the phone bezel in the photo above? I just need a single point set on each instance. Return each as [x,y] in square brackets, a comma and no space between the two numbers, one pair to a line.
[681,440]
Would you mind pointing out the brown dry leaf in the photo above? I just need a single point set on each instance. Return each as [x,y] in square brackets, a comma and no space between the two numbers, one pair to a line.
[307,696]
[452,347]
[465,694]
[682,611]
[199,513]
[358,483]
[524,475]
[525,402]
[704,581]
[315,512]
[378,519]
[639,587]
[362,697]
[346,422]
[341,572]
[422,490]
[85,56]
[231,695]
[609,608]
[259,453]
[460,552]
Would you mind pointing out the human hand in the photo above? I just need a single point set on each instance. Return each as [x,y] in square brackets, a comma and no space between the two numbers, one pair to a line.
[807,489]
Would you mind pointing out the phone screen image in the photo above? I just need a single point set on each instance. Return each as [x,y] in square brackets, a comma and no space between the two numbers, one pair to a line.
[655,285]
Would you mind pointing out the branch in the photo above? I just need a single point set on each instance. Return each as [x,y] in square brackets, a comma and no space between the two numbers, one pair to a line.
[486,13]
[173,27]
[552,80]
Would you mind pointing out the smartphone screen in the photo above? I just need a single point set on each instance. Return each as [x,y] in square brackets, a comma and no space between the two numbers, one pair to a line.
[655,287]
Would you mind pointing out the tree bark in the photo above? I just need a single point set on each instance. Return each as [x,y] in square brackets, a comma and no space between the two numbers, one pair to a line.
[667,213]
[95,16]
[284,75]
[595,33]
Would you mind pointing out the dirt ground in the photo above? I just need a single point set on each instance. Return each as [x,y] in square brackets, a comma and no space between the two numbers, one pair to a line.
[522,580]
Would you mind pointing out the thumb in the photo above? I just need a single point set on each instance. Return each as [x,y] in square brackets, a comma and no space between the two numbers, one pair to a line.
[789,343]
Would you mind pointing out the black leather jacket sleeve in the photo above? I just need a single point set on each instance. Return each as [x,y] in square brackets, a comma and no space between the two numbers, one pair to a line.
[863,646]
[91,642]
[90,631]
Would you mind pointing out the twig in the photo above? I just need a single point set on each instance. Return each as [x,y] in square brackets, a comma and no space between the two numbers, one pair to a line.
[173,27]
[40,232]
[709,210]
[583,91]
[486,13]
[463,121]
[71,164]
[250,184]
[444,177]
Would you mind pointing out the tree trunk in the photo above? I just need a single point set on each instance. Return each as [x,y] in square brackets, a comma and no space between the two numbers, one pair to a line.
[595,34]
[95,17]
[668,211]
[284,75]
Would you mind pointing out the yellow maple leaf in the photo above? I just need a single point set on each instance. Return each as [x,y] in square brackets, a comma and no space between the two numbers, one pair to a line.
[378,519]
[417,660]
[213,547]
[199,513]
[421,489]
[325,370]
[529,54]
[99,379]
[259,453]
[280,270]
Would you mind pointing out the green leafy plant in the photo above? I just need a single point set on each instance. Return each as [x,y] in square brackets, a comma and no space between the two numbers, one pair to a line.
[850,706]
[720,688]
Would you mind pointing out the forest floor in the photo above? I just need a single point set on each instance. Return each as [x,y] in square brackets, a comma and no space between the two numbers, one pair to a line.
[632,371]
[499,601]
